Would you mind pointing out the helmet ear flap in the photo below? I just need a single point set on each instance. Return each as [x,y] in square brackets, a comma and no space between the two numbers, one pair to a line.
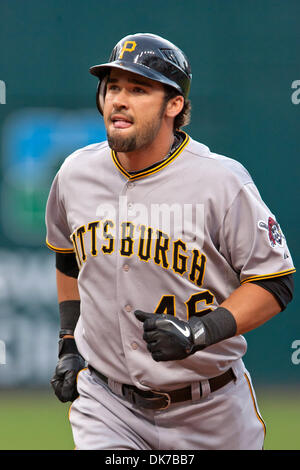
[100,95]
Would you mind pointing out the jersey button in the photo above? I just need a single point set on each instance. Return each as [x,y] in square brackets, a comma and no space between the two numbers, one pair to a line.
[126,268]
[130,208]
[128,308]
[130,185]
[134,345]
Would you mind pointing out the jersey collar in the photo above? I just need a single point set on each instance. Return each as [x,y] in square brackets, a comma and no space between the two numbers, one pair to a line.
[154,168]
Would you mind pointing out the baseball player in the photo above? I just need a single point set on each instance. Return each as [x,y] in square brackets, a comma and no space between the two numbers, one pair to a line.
[165,256]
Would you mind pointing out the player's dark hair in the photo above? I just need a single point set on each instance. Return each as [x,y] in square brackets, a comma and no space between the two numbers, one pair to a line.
[184,117]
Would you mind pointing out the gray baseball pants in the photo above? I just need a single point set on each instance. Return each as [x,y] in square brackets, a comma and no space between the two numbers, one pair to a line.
[227,419]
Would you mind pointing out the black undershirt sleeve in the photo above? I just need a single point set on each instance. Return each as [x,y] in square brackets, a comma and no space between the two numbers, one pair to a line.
[66,263]
[281,287]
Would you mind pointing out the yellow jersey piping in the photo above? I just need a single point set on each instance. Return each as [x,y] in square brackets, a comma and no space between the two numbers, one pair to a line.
[255,406]
[158,167]
[268,276]
[59,250]
[81,370]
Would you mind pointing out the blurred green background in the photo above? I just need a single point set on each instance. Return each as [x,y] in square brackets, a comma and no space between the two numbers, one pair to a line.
[245,104]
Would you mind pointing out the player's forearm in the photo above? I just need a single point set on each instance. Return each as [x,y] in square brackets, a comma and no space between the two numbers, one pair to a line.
[69,303]
[67,287]
[251,306]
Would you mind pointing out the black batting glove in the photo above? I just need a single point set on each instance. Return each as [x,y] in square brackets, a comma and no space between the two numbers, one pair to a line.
[69,364]
[170,339]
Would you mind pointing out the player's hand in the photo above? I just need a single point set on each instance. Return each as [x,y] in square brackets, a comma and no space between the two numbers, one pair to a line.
[167,338]
[69,364]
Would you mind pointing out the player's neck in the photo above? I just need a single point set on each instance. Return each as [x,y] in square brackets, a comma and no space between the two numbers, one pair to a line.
[147,156]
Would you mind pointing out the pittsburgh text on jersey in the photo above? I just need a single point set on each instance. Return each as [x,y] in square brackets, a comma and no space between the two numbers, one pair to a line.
[99,238]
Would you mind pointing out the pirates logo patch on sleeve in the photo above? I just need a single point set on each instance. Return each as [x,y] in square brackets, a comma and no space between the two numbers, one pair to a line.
[276,237]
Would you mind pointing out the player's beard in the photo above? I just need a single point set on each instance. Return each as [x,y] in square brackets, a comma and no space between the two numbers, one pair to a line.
[140,139]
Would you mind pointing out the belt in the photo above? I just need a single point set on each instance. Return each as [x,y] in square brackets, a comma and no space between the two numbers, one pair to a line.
[156,400]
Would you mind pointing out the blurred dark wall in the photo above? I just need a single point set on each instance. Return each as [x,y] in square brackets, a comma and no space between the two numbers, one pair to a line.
[245,64]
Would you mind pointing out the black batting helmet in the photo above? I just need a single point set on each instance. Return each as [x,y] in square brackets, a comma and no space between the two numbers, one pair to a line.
[148,55]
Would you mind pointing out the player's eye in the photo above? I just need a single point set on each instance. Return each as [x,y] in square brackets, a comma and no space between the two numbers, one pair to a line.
[138,90]
[112,87]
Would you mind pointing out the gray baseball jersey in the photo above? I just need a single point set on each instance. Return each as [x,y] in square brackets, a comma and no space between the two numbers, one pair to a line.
[177,238]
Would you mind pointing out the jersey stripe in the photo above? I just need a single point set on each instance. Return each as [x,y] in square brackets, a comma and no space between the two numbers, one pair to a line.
[255,404]
[59,250]
[156,168]
[81,370]
[269,276]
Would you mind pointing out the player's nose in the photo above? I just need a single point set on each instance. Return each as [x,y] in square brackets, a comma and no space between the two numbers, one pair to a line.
[120,100]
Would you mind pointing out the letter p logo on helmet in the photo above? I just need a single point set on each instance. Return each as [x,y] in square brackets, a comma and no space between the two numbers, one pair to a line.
[126,48]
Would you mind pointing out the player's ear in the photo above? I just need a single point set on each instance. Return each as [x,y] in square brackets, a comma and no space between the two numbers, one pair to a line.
[174,106]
